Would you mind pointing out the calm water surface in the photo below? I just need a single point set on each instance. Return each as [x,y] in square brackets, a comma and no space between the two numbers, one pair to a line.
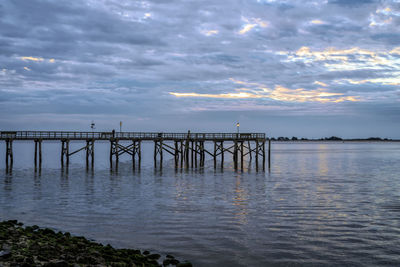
[321,203]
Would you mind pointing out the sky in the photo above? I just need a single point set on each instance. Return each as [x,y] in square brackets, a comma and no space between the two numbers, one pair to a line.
[287,68]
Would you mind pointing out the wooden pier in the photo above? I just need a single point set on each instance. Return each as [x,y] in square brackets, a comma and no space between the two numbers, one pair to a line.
[188,149]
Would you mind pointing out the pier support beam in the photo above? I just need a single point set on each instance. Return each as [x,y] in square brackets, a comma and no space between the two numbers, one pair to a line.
[201,153]
[176,154]
[218,150]
[136,151]
[260,151]
[114,151]
[38,154]
[64,152]
[90,153]
[269,153]
[182,152]
[187,153]
[192,150]
[235,155]
[158,150]
[195,153]
[263,155]
[9,155]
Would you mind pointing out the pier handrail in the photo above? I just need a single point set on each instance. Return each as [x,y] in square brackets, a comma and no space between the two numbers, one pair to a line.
[57,135]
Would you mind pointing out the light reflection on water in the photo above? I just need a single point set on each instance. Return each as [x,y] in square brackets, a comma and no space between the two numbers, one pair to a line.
[321,203]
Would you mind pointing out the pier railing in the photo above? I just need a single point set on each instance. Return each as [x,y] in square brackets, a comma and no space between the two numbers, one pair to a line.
[58,135]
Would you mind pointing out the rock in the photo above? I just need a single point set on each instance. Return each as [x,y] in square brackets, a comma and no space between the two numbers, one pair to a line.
[153,256]
[184,264]
[59,263]
[5,254]
[174,261]
[48,231]
[34,246]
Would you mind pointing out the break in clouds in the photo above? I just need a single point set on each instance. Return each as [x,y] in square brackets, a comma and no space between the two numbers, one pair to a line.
[151,62]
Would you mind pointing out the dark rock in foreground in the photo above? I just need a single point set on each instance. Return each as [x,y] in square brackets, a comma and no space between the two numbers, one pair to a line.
[33,246]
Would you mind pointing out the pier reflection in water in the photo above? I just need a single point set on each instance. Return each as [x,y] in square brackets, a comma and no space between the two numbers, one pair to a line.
[322,203]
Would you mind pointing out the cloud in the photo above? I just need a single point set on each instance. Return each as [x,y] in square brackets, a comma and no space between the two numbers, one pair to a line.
[317,22]
[346,59]
[320,83]
[209,32]
[226,95]
[37,59]
[279,93]
[352,3]
[251,24]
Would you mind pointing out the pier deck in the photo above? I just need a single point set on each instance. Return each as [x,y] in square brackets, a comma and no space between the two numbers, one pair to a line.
[188,148]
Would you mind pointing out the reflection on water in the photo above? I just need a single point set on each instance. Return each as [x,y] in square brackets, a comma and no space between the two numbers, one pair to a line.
[321,203]
[240,201]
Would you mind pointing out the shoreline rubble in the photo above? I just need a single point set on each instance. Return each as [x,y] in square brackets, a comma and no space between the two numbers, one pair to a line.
[35,246]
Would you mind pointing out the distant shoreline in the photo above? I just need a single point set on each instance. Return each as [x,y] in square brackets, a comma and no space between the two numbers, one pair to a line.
[332,139]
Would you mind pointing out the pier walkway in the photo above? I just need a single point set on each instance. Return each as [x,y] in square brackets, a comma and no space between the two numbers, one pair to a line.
[188,149]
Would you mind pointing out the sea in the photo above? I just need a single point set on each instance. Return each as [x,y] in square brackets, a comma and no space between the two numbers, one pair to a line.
[319,203]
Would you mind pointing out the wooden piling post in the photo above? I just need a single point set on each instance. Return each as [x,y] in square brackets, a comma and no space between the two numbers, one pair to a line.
[176,154]
[187,153]
[9,155]
[249,147]
[67,152]
[222,154]
[195,155]
[269,153]
[192,156]
[62,153]
[155,153]
[215,154]
[139,154]
[182,154]
[235,155]
[161,153]
[116,154]
[92,163]
[35,158]
[263,154]
[87,154]
[257,152]
[40,154]
[111,152]
[133,153]
[203,154]
[241,155]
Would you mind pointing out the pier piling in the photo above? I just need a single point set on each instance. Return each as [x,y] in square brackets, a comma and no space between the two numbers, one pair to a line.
[9,155]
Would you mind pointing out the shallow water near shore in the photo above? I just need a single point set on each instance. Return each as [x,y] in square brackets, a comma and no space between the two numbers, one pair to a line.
[321,203]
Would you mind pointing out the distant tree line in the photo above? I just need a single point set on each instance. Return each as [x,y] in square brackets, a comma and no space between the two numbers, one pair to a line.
[332,138]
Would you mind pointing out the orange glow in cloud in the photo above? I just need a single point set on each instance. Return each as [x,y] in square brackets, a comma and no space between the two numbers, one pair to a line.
[251,23]
[279,93]
[32,58]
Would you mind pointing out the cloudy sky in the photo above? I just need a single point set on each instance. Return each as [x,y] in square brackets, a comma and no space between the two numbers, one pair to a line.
[287,68]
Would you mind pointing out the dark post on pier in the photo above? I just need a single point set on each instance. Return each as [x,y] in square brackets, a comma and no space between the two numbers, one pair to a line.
[189,150]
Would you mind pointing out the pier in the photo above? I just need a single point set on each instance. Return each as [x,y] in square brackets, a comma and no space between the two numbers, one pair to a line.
[188,149]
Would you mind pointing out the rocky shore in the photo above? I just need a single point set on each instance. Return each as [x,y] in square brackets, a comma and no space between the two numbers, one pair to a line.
[35,246]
